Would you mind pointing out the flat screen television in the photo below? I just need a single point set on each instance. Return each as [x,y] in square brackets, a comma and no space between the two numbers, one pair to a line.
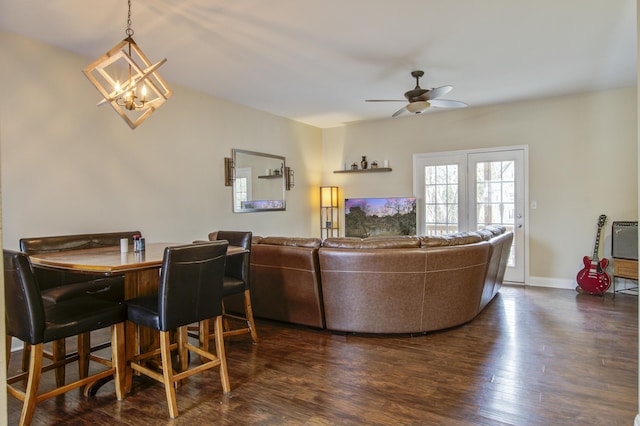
[374,217]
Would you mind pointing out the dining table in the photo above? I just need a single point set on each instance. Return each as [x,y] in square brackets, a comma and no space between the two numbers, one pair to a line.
[141,270]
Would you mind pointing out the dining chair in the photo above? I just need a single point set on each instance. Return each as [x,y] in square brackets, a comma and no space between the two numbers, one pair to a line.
[236,282]
[34,323]
[57,286]
[190,291]
[65,293]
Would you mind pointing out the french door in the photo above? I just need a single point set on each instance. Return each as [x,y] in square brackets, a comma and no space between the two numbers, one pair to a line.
[467,190]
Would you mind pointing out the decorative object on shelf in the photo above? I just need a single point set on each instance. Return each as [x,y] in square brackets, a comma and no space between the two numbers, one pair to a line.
[354,166]
[385,164]
[371,170]
[141,92]
[374,164]
[363,162]
[329,212]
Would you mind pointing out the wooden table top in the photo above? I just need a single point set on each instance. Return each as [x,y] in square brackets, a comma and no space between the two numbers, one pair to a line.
[109,259]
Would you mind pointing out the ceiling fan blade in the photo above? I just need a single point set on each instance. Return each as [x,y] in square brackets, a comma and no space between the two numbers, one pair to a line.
[437,92]
[400,111]
[386,100]
[445,103]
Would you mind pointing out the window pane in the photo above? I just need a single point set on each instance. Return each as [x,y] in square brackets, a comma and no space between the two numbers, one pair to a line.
[441,199]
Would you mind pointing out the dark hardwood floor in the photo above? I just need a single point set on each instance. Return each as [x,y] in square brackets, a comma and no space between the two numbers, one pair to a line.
[535,356]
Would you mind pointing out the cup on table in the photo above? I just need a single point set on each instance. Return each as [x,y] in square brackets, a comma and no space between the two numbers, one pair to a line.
[124,245]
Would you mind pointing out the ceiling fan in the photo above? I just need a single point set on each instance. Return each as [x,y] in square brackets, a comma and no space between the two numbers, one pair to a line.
[420,99]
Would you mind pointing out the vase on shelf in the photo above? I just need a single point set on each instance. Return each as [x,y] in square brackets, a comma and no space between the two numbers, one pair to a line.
[363,162]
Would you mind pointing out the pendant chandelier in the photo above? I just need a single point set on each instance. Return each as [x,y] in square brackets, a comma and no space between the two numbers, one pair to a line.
[128,81]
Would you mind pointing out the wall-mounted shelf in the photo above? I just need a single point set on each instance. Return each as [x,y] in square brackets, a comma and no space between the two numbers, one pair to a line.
[373,170]
[270,177]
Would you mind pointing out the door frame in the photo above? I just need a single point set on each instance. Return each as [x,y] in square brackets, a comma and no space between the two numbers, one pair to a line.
[418,190]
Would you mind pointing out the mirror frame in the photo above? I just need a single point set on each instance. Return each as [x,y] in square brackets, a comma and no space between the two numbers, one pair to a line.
[264,208]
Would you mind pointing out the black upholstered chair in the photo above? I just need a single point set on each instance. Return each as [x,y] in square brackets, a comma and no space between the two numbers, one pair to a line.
[59,285]
[28,319]
[236,281]
[190,291]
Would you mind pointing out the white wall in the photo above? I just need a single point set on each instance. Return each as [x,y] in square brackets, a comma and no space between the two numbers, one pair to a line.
[582,158]
[71,167]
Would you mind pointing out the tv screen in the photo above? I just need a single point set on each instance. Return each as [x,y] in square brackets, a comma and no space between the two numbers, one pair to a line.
[374,217]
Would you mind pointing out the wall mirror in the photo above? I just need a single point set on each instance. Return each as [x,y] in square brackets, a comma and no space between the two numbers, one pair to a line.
[258,181]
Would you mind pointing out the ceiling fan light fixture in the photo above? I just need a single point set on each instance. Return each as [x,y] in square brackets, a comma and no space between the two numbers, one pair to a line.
[420,99]
[128,81]
[418,107]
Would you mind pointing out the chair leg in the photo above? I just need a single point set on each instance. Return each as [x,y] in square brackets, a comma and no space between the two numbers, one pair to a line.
[59,352]
[31,392]
[8,349]
[118,358]
[224,318]
[84,350]
[249,313]
[183,352]
[25,357]
[203,337]
[224,374]
[167,373]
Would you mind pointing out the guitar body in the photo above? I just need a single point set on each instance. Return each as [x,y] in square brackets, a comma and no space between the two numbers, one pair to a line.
[592,278]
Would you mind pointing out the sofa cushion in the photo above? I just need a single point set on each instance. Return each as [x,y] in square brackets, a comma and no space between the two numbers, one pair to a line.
[495,229]
[457,239]
[394,242]
[291,241]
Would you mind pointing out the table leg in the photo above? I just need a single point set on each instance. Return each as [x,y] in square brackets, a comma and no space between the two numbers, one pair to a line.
[138,339]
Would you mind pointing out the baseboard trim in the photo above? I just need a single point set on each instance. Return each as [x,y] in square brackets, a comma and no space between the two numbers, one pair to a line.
[567,284]
[571,284]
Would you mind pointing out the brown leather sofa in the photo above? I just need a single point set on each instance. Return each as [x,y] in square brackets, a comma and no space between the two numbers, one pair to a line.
[378,285]
[411,284]
[285,280]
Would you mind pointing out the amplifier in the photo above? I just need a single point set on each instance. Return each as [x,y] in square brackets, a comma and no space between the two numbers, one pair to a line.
[624,240]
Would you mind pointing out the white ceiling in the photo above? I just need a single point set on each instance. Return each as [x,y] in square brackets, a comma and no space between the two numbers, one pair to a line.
[317,61]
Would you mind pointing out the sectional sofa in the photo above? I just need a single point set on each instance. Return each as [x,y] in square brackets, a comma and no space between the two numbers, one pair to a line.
[386,285]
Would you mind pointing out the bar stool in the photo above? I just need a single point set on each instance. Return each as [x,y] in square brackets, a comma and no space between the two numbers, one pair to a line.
[190,291]
[237,281]
[30,321]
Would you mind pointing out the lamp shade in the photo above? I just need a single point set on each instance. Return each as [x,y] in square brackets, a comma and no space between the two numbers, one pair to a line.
[328,196]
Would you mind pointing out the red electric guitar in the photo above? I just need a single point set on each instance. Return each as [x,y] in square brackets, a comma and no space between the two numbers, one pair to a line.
[593,278]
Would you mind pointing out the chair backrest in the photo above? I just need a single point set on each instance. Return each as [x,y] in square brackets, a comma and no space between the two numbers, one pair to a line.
[235,238]
[49,278]
[191,283]
[237,265]
[24,311]
[48,244]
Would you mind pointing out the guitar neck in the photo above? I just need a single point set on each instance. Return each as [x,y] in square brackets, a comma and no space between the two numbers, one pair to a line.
[596,247]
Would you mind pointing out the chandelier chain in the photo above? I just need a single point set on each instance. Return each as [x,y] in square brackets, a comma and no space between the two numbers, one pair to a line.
[129,30]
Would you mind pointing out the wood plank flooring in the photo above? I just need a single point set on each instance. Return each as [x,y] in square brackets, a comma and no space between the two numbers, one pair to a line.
[535,356]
